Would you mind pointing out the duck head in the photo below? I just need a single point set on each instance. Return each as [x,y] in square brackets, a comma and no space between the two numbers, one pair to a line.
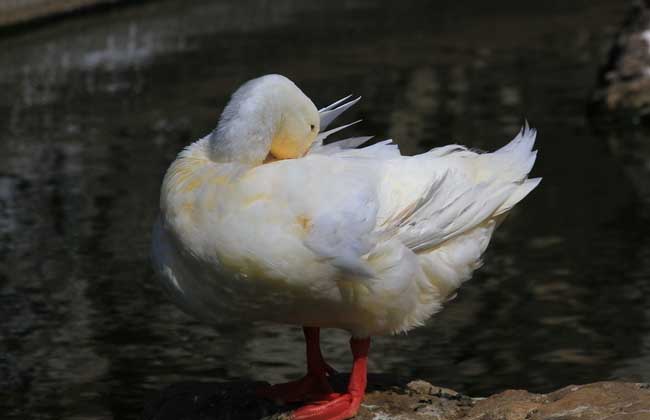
[267,117]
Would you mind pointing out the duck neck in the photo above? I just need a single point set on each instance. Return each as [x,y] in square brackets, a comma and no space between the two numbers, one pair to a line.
[244,134]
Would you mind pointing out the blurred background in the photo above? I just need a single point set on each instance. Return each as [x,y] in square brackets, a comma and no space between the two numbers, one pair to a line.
[95,106]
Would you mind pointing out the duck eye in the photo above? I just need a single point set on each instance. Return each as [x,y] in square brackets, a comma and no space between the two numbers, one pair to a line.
[311,127]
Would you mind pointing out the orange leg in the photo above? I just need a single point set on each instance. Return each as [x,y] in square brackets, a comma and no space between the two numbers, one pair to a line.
[346,405]
[311,387]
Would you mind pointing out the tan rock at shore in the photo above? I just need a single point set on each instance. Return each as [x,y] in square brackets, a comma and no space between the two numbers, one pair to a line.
[390,398]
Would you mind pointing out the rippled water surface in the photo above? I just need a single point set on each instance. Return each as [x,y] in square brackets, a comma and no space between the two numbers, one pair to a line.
[95,108]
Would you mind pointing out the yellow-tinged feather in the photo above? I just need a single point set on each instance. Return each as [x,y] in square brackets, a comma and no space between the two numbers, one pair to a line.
[187,207]
[219,180]
[304,222]
[285,147]
[191,184]
[250,200]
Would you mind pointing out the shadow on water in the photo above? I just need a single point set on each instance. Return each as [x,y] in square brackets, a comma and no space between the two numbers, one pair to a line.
[95,109]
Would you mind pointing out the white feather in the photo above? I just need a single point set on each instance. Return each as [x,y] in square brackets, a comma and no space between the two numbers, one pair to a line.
[330,113]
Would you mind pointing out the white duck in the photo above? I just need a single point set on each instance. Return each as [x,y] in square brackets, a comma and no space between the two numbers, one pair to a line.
[260,220]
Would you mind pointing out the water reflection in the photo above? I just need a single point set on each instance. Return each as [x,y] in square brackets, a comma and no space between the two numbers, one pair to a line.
[96,108]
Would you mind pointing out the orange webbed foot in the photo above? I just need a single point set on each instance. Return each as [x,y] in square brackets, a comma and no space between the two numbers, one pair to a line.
[346,405]
[342,407]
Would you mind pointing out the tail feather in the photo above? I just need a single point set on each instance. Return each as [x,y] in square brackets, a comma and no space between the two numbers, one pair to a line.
[518,195]
[466,190]
[523,141]
[518,156]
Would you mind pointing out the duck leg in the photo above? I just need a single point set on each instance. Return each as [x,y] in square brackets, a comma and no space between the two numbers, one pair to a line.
[345,405]
[314,385]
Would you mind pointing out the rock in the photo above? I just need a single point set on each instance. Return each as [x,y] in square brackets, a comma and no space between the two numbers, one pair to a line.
[611,400]
[394,398]
[623,90]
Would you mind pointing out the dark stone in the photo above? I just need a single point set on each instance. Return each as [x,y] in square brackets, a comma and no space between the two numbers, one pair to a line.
[623,89]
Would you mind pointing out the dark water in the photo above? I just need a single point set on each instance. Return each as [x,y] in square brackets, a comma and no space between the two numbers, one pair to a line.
[93,110]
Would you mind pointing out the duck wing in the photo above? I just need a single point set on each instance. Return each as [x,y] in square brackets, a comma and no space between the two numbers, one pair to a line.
[430,198]
[333,200]
[451,190]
